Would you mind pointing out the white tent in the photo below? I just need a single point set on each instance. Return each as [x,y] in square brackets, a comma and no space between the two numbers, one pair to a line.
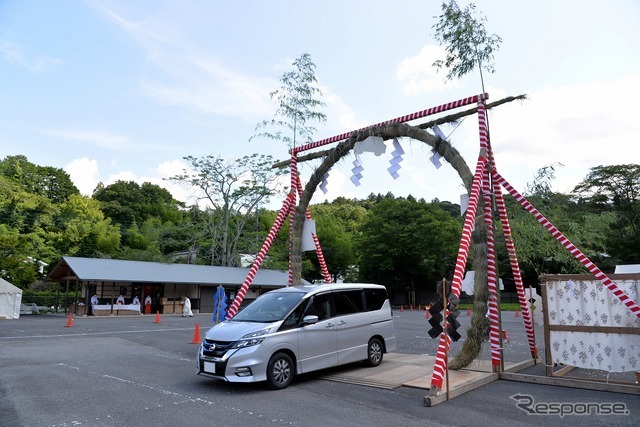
[10,300]
[627,269]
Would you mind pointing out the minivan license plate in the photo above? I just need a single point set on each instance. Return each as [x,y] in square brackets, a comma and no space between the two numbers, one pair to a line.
[210,367]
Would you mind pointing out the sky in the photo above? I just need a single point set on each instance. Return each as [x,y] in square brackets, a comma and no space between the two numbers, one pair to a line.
[123,90]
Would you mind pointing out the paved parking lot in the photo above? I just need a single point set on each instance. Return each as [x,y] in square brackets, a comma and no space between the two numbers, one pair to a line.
[133,371]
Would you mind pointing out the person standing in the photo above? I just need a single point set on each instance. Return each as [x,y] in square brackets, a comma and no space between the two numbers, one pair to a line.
[94,302]
[136,300]
[186,307]
[147,305]
[120,300]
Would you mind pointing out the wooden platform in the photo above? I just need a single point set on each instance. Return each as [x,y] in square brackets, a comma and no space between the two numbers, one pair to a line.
[410,370]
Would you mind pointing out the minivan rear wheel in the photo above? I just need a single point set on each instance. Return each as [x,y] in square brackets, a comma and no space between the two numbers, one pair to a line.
[374,352]
[280,371]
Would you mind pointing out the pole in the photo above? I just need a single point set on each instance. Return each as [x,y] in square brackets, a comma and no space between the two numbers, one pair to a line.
[444,330]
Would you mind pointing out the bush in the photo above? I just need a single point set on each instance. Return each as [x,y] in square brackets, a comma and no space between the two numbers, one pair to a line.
[42,298]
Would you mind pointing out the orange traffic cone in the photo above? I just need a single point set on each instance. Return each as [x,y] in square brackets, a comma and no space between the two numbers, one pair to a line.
[157,317]
[426,313]
[505,337]
[419,307]
[69,321]
[517,313]
[402,308]
[196,335]
[468,312]
[410,307]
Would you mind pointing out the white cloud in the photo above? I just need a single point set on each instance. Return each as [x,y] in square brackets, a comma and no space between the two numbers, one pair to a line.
[180,74]
[580,126]
[418,75]
[122,176]
[38,64]
[339,114]
[84,174]
[211,88]
[167,170]
[99,138]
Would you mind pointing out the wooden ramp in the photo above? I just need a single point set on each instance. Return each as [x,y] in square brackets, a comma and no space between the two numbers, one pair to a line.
[411,370]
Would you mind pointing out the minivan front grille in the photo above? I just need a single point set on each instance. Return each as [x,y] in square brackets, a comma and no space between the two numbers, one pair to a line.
[213,348]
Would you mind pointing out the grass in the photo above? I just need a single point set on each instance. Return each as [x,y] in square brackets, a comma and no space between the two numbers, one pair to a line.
[505,306]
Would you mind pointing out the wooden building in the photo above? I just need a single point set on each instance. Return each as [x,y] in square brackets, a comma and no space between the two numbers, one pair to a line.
[81,278]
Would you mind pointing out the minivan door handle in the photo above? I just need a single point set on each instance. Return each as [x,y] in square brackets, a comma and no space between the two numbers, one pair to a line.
[342,323]
[329,325]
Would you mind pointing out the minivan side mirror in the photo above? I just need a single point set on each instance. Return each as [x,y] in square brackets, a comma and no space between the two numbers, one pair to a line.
[310,319]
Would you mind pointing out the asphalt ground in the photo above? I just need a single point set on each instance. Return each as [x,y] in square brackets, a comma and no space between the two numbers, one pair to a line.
[129,370]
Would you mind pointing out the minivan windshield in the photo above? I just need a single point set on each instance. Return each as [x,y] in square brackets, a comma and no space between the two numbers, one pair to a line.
[270,307]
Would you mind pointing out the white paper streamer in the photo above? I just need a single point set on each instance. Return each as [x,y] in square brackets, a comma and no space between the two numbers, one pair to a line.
[396,158]
[464,203]
[435,159]
[308,230]
[323,184]
[357,170]
[372,144]
[438,132]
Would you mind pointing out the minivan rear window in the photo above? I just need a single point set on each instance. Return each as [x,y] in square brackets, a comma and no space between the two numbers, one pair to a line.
[375,298]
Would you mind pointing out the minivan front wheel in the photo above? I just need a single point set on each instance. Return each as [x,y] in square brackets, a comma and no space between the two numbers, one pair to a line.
[280,371]
[374,352]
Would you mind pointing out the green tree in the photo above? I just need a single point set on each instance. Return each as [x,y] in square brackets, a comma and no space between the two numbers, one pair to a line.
[336,242]
[127,202]
[538,251]
[233,192]
[407,244]
[615,189]
[15,265]
[84,229]
[52,183]
[466,41]
[27,220]
[297,103]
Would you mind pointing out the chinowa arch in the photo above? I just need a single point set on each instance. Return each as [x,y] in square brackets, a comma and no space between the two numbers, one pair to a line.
[483,187]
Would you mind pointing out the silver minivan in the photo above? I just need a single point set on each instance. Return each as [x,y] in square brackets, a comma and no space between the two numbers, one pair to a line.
[300,329]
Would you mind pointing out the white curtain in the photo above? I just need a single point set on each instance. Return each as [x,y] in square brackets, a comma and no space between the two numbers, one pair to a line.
[590,303]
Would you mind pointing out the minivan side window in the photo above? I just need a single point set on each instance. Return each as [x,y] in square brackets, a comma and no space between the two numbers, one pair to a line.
[375,298]
[320,306]
[293,320]
[348,302]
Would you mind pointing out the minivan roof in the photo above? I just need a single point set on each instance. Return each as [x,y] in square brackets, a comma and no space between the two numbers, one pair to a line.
[309,289]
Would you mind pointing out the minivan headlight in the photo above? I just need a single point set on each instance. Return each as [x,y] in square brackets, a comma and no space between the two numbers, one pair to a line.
[253,338]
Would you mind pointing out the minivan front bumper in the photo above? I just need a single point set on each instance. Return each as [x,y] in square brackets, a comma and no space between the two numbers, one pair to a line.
[245,365]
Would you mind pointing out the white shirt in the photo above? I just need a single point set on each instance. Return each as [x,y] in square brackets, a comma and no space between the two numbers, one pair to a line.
[120,300]
[94,300]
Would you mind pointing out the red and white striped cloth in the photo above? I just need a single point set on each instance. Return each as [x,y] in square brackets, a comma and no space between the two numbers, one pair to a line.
[577,253]
[401,119]
[437,377]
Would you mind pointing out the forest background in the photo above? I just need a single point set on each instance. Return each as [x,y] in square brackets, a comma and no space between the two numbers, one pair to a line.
[405,243]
